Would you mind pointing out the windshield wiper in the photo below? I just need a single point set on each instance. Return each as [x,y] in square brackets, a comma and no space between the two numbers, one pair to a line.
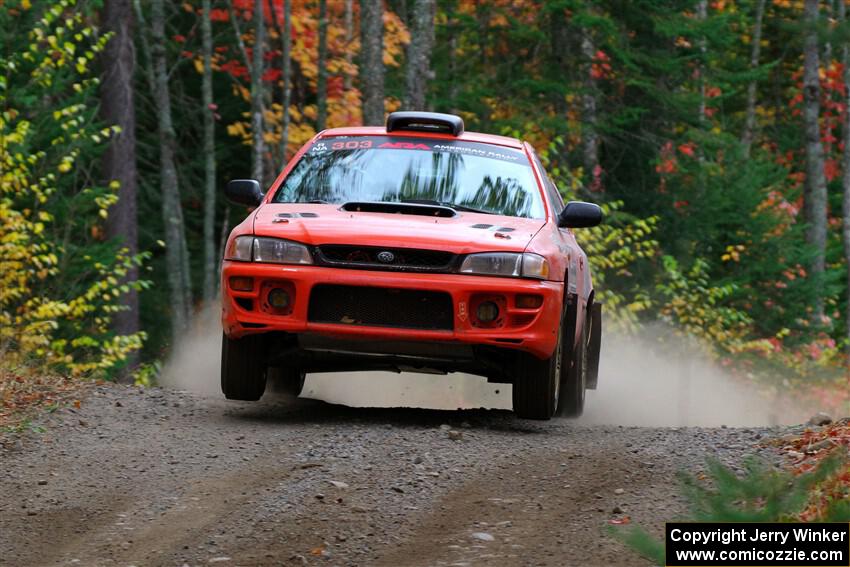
[454,206]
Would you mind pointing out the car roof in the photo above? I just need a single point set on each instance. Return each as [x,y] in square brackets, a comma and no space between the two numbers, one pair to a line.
[382,131]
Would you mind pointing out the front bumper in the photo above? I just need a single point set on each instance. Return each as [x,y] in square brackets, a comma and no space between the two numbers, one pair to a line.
[533,329]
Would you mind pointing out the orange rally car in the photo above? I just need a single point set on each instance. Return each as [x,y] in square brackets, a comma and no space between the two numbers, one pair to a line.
[415,247]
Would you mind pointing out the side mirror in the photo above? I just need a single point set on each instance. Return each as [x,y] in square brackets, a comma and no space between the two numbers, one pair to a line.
[578,214]
[244,192]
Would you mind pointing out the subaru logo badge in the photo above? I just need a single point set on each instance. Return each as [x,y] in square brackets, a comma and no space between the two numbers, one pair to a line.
[386,256]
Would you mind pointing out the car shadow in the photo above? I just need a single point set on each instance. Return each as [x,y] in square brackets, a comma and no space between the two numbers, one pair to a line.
[284,410]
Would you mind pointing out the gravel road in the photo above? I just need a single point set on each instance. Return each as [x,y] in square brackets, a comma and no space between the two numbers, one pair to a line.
[164,477]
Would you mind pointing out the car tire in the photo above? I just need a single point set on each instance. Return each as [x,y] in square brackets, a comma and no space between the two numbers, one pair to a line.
[537,382]
[286,380]
[243,367]
[574,378]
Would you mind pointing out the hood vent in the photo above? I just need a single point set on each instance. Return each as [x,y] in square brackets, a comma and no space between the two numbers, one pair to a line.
[399,208]
[490,226]
[296,215]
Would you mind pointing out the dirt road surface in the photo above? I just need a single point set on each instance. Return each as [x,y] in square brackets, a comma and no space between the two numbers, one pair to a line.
[164,477]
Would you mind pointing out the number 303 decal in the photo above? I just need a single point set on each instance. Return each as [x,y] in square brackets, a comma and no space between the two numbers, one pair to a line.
[352,145]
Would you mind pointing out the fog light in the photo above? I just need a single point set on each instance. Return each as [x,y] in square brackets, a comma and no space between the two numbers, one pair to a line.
[279,298]
[529,301]
[241,283]
[488,312]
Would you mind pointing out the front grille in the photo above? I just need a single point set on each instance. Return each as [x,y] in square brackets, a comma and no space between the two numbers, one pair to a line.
[381,307]
[380,258]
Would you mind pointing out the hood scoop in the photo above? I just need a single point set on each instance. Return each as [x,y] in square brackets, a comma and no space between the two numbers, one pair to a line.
[490,226]
[399,209]
[284,217]
[296,215]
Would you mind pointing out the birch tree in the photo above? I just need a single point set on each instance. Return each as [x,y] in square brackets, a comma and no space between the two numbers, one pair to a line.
[419,55]
[814,197]
[589,127]
[372,62]
[755,53]
[322,77]
[285,34]
[210,259]
[702,16]
[258,148]
[349,38]
[176,253]
[119,161]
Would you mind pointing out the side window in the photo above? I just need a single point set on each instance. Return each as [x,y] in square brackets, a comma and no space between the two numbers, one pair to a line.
[555,195]
[552,193]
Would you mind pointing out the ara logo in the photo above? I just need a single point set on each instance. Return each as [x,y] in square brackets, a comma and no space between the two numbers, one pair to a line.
[403,146]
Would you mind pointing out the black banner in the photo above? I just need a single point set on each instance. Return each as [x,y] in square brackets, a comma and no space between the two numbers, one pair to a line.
[758,545]
[354,143]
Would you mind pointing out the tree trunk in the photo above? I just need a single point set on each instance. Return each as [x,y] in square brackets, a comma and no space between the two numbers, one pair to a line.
[322,78]
[210,260]
[117,107]
[372,61]
[258,148]
[286,76]
[589,126]
[814,197]
[419,54]
[755,51]
[702,15]
[225,231]
[349,37]
[172,212]
[845,180]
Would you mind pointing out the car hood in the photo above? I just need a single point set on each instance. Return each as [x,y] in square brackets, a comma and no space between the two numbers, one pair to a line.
[464,233]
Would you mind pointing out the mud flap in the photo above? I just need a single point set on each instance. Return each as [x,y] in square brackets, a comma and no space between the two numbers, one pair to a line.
[594,346]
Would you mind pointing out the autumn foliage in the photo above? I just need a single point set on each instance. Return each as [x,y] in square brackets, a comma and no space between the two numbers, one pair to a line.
[55,309]
[664,113]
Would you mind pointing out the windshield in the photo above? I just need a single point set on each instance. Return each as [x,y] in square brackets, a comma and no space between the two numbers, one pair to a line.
[462,175]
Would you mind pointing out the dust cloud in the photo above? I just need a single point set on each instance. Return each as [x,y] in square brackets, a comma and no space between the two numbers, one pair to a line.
[646,381]
[195,361]
[642,382]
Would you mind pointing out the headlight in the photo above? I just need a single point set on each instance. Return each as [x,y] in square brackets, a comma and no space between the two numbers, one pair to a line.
[510,264]
[240,249]
[534,266]
[272,250]
[281,251]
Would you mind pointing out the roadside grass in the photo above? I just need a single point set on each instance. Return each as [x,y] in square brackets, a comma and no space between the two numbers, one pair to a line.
[26,394]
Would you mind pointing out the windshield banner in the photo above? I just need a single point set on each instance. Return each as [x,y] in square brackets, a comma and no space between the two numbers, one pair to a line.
[354,143]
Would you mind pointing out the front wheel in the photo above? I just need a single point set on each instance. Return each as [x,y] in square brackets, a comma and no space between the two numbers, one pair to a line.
[243,367]
[537,383]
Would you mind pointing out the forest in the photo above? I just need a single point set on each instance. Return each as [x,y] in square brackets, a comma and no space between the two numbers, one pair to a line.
[714,133]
